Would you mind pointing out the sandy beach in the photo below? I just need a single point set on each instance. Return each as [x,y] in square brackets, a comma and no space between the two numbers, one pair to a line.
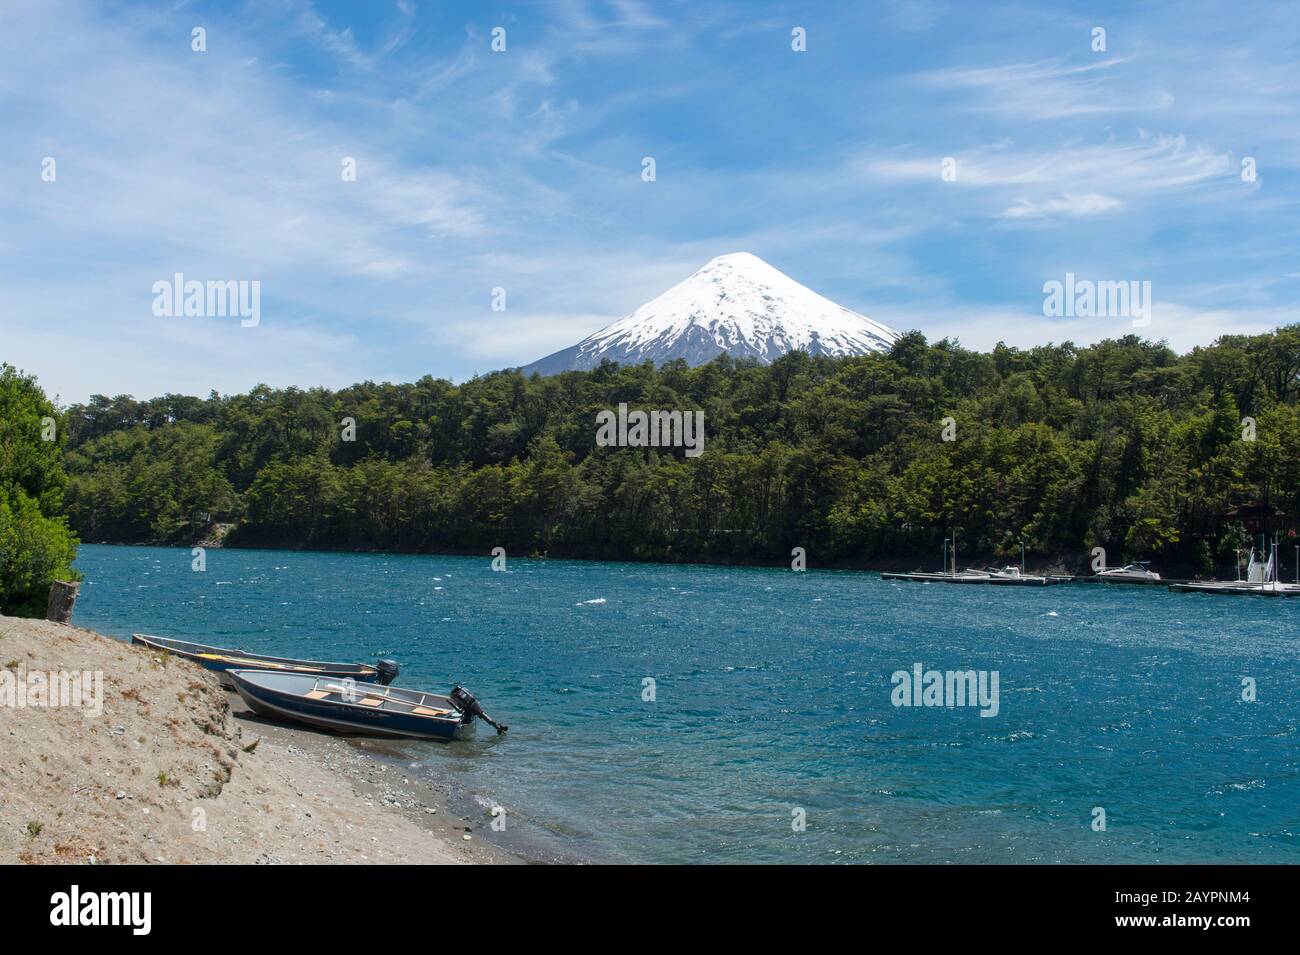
[176,770]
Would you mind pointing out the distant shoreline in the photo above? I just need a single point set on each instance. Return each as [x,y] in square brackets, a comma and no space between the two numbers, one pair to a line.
[1058,564]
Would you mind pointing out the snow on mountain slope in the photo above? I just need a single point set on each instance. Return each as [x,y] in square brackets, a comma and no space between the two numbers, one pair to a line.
[737,304]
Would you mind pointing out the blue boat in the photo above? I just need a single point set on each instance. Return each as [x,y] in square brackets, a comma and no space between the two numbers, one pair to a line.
[221,661]
[346,706]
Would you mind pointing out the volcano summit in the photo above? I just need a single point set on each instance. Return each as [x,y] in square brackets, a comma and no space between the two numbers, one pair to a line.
[736,304]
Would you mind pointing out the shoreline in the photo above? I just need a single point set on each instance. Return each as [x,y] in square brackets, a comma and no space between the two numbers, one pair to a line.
[1053,565]
[176,770]
[392,778]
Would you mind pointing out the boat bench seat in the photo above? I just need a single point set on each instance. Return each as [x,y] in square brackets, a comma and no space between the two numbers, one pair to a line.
[317,694]
[425,711]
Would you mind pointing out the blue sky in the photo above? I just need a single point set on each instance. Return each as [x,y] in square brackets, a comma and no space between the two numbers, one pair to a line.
[522,170]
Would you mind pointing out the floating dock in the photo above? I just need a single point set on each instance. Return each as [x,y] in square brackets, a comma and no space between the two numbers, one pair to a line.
[1236,588]
[1126,581]
[971,579]
[1262,579]
[1233,588]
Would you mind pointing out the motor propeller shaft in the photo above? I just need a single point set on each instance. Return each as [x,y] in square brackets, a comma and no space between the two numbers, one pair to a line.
[467,703]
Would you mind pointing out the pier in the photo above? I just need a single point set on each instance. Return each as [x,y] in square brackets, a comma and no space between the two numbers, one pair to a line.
[1235,588]
[1019,581]
[1261,578]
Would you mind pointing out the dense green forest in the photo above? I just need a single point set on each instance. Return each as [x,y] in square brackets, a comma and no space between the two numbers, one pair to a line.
[1123,444]
[36,546]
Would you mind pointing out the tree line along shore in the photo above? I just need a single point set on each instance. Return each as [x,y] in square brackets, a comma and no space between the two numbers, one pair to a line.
[1124,445]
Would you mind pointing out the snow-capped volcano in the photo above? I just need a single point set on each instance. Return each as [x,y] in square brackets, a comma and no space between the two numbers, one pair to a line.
[736,304]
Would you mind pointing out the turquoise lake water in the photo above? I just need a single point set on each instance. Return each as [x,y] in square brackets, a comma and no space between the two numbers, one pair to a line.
[773,694]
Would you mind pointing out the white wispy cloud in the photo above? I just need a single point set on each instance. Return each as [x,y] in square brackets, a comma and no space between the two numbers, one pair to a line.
[1147,162]
[1047,89]
[1067,181]
[1087,204]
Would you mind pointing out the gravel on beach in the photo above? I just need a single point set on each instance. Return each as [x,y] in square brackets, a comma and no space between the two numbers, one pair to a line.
[176,770]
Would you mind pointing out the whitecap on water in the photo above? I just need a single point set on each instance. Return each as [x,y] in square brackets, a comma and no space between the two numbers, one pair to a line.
[598,600]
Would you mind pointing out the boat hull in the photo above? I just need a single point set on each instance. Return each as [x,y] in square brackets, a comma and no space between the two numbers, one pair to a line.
[220,660]
[338,717]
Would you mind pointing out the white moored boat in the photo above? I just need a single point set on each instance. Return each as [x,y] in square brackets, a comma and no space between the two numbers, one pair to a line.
[1139,570]
[1011,574]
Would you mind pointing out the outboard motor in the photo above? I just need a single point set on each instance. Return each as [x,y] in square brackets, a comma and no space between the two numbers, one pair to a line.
[388,670]
[464,701]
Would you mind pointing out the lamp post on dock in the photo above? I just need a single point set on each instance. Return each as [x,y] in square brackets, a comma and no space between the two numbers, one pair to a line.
[945,555]
[1022,557]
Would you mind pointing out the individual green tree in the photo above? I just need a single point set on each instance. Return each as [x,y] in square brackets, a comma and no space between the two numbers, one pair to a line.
[36,546]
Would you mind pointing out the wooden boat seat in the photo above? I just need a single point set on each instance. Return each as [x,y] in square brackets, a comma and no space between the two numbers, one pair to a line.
[371,701]
[317,694]
[425,711]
